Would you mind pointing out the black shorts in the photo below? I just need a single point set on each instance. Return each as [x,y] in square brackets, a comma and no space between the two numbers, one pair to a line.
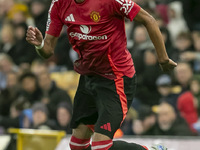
[103,102]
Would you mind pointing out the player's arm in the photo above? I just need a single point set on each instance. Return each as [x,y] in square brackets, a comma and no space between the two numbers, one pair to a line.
[156,37]
[44,47]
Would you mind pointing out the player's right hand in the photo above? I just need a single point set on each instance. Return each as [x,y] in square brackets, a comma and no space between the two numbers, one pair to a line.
[34,36]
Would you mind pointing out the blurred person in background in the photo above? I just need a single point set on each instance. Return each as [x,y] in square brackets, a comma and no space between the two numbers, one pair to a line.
[195,89]
[15,111]
[26,118]
[9,94]
[39,12]
[29,87]
[193,56]
[169,123]
[7,43]
[145,122]
[40,117]
[164,86]
[146,80]
[24,52]
[6,66]
[183,43]
[64,114]
[39,66]
[168,43]
[51,94]
[176,23]
[191,13]
[187,106]
[183,74]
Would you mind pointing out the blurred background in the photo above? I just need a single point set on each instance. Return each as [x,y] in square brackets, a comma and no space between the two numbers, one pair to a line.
[38,94]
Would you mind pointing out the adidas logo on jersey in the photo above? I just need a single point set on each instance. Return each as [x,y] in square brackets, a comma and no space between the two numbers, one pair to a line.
[106,127]
[70,18]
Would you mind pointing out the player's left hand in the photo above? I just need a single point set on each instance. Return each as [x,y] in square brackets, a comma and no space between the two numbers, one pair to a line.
[168,66]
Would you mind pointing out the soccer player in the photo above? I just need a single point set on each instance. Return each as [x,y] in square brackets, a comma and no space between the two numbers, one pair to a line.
[107,82]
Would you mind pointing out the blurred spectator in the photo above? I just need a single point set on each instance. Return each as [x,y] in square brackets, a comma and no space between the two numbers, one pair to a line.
[183,43]
[15,111]
[169,123]
[29,87]
[176,23]
[9,94]
[6,66]
[195,89]
[191,13]
[187,105]
[26,119]
[40,117]
[194,56]
[145,122]
[164,85]
[64,113]
[51,94]
[39,11]
[7,44]
[183,74]
[39,66]
[146,80]
[167,40]
[24,52]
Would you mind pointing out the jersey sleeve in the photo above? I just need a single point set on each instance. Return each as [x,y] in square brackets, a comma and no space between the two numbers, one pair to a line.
[54,23]
[126,8]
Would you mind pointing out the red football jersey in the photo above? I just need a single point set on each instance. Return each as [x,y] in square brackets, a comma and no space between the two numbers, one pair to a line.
[96,30]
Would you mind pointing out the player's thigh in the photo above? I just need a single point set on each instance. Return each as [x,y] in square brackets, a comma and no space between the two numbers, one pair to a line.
[113,101]
[84,107]
[82,132]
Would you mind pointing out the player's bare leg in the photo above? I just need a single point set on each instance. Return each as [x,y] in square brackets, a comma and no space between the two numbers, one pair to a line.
[80,139]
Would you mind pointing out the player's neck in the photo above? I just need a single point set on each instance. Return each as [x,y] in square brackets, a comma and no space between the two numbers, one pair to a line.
[79,1]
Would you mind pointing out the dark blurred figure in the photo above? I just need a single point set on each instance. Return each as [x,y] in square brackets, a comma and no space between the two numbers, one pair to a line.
[24,52]
[6,66]
[145,122]
[195,89]
[15,111]
[147,80]
[194,56]
[9,94]
[40,117]
[167,40]
[39,12]
[64,114]
[183,43]
[51,94]
[183,74]
[29,87]
[191,13]
[164,86]
[169,123]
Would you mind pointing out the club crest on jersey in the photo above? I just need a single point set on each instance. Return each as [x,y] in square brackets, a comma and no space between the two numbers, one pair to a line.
[95,16]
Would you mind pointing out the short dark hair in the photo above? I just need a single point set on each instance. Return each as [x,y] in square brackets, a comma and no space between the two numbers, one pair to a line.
[27,75]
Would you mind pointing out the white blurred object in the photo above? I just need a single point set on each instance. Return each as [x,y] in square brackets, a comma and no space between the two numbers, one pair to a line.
[4,141]
[177,23]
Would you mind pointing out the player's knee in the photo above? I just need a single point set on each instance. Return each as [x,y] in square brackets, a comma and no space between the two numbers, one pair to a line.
[79,144]
[82,132]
